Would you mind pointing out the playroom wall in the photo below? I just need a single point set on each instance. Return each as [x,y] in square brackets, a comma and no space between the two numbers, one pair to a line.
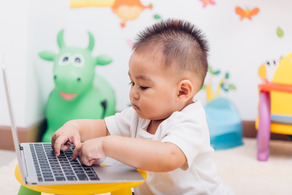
[237,46]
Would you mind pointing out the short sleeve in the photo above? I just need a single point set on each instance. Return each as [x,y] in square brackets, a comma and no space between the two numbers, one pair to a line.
[120,123]
[189,135]
[190,145]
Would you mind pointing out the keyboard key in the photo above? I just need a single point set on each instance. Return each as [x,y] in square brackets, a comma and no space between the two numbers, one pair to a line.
[94,178]
[82,177]
[59,175]
[60,179]
[71,178]
[49,179]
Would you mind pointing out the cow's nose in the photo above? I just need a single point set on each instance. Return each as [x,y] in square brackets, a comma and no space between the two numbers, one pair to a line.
[78,79]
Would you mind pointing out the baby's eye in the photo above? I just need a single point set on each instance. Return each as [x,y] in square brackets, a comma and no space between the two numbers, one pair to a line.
[132,83]
[143,88]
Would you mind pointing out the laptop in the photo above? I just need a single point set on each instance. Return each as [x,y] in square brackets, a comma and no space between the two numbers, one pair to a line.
[39,166]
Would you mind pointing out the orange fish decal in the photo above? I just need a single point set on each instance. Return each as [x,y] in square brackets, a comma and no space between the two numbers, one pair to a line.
[128,9]
[246,13]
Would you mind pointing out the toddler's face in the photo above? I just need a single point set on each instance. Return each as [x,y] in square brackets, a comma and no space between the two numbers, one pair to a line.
[153,89]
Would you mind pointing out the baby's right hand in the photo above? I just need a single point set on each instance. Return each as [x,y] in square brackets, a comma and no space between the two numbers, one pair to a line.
[67,133]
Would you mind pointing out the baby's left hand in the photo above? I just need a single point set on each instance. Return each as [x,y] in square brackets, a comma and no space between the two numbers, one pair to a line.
[91,151]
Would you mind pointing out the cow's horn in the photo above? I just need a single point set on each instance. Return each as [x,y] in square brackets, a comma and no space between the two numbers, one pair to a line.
[91,42]
[60,39]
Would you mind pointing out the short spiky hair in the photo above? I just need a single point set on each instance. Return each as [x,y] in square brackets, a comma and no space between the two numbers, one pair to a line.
[181,43]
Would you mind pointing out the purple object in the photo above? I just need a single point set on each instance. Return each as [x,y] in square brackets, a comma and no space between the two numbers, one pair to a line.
[264,133]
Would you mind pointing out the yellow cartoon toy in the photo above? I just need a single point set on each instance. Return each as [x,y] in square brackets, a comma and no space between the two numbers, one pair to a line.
[275,105]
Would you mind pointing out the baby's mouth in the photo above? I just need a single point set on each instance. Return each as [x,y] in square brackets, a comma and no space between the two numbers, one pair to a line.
[135,107]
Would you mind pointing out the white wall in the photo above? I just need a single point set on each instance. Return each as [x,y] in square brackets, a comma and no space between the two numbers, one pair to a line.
[238,47]
[13,45]
[45,20]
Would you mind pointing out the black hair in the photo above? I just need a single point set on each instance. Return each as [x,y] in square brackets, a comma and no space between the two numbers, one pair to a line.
[181,43]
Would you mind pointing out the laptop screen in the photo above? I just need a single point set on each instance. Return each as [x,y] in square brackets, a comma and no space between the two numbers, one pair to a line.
[11,115]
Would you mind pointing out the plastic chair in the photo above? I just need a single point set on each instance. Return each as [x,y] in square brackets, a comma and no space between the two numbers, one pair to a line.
[275,107]
[78,189]
[268,122]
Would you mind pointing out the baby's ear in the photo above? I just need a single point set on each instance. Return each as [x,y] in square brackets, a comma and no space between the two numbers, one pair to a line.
[184,90]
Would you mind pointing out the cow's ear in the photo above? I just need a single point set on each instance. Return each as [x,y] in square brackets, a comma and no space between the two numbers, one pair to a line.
[103,60]
[47,55]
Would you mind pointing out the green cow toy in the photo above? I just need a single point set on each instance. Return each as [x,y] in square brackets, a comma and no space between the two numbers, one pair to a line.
[78,92]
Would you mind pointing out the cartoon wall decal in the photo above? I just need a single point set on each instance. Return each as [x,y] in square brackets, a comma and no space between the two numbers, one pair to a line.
[78,92]
[247,13]
[125,9]
[280,32]
[157,17]
[207,2]
[128,10]
[266,70]
[91,3]
[130,43]
[223,84]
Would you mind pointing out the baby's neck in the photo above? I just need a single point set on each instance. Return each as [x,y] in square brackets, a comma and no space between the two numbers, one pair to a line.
[153,125]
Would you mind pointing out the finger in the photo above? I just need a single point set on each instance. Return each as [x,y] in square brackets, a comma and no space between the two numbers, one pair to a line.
[84,160]
[93,161]
[90,162]
[77,144]
[58,144]
[75,141]
[53,140]
[76,151]
[65,146]
[55,136]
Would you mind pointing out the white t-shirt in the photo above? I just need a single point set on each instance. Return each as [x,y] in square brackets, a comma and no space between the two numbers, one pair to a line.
[189,131]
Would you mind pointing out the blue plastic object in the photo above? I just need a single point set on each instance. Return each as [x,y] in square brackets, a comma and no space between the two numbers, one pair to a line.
[224,123]
[283,119]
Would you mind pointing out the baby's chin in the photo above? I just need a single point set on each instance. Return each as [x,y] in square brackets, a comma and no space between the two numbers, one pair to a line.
[142,116]
[150,117]
[158,119]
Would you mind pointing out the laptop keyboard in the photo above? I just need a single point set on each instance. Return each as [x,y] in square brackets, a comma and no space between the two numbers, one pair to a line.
[62,168]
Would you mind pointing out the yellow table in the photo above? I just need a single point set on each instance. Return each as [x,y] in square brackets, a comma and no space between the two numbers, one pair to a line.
[77,189]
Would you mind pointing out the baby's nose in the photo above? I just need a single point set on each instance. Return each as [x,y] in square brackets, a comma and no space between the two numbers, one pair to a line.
[134,93]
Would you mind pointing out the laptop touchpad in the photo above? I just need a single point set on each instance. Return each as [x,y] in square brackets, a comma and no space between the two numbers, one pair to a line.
[118,173]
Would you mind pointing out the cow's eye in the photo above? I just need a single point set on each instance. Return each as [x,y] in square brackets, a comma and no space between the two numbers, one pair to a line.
[64,60]
[78,60]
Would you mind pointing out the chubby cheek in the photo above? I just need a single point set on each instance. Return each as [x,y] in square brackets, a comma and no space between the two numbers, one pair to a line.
[157,108]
